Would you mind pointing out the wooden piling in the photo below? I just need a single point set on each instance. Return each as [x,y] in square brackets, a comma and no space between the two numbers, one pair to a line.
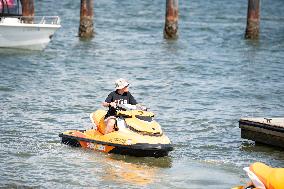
[171,21]
[253,20]
[263,130]
[86,29]
[28,10]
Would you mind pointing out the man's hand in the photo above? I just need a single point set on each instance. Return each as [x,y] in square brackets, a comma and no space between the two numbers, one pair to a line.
[141,107]
[112,104]
[106,104]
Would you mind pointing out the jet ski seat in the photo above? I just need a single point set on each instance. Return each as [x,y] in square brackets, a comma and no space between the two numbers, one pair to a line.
[100,116]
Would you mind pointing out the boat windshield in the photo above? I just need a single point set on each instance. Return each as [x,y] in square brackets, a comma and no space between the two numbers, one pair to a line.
[10,8]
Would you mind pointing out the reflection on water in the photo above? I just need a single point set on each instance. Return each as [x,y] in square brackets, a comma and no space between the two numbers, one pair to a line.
[250,146]
[130,170]
[131,173]
[162,162]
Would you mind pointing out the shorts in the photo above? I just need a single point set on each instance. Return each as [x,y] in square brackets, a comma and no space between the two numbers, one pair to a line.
[110,117]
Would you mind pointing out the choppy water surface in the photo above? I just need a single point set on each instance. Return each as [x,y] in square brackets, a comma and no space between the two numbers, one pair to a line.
[199,86]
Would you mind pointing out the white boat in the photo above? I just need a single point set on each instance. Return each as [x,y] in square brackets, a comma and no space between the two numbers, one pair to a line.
[17,31]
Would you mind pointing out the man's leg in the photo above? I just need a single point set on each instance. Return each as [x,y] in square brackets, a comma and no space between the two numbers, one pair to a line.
[110,122]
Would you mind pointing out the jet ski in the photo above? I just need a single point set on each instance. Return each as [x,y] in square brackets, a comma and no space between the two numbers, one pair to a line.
[136,134]
[263,177]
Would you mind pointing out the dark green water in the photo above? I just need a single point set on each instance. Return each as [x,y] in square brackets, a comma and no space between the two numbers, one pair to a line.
[198,86]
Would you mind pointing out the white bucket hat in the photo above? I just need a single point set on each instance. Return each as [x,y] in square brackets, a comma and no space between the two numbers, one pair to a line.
[121,83]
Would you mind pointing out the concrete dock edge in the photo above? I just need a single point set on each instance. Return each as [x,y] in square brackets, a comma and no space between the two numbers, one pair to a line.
[263,130]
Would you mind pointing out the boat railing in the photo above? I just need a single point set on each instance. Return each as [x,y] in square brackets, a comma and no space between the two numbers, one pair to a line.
[40,19]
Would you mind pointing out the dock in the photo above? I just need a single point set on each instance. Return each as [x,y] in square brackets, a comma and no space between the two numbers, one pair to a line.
[263,130]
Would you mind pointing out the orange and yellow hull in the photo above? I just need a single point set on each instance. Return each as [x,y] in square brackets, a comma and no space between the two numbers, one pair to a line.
[116,143]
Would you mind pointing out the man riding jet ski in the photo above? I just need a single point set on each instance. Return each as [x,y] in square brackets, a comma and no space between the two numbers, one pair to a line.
[263,177]
[121,95]
[131,131]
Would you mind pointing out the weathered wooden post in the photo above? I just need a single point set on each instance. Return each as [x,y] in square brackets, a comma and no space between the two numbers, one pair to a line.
[171,21]
[28,10]
[86,19]
[252,30]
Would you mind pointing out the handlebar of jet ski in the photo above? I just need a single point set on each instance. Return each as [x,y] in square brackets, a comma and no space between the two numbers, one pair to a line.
[125,107]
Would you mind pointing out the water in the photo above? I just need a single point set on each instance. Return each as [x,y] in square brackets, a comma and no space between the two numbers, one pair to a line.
[199,86]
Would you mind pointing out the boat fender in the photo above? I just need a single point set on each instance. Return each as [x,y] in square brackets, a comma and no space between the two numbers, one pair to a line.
[255,180]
